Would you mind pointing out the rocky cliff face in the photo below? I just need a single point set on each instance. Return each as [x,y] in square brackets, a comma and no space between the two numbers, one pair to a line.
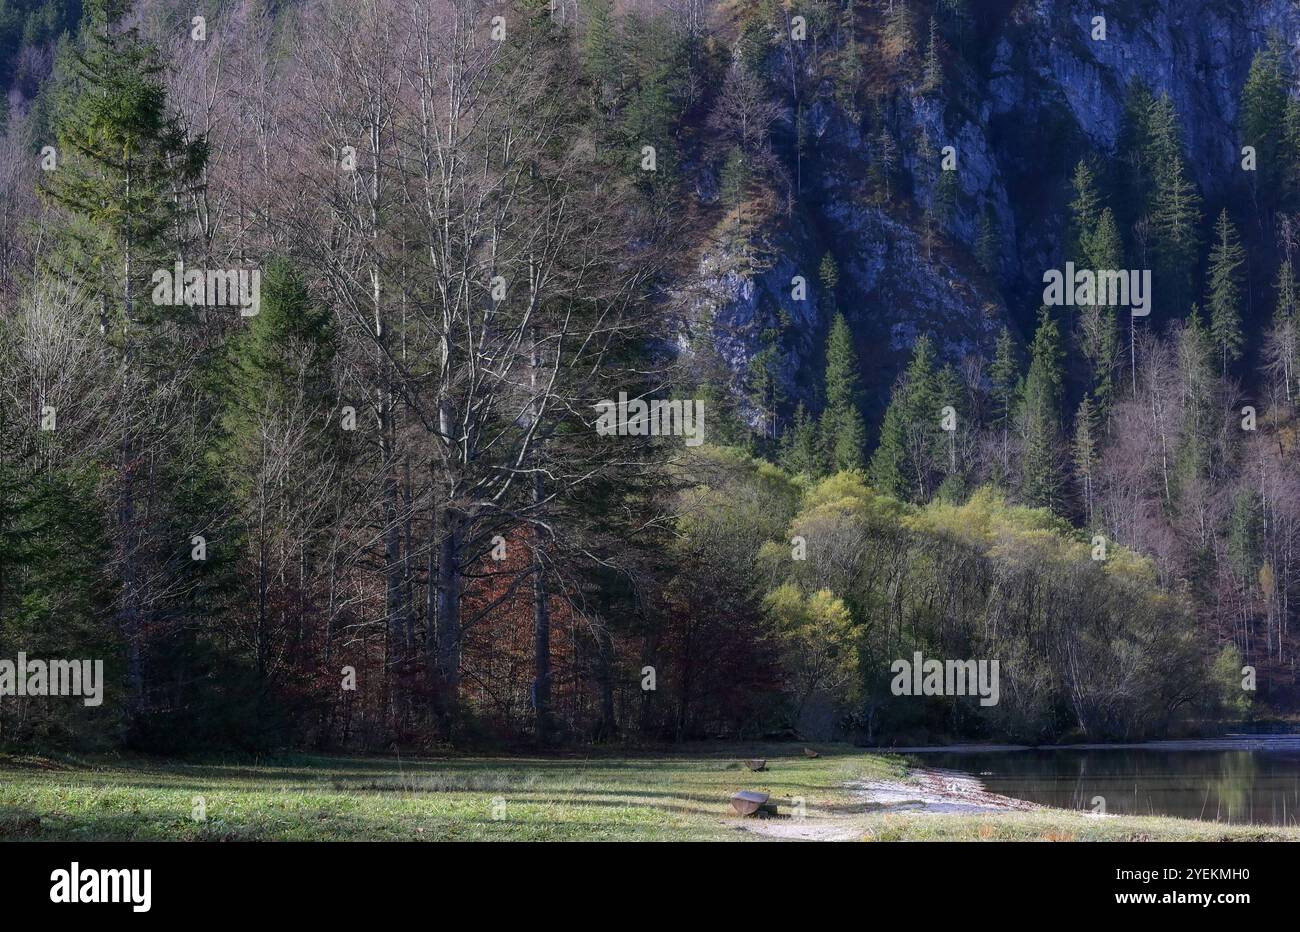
[1197,51]
[1040,94]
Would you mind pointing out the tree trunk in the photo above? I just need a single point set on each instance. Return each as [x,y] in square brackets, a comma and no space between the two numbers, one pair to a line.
[447,695]
[541,631]
[541,597]
[605,681]
[130,610]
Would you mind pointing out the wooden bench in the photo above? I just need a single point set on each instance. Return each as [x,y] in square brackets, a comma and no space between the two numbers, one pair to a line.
[748,802]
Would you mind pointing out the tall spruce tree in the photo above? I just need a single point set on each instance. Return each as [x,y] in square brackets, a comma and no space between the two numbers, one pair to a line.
[933,80]
[1264,105]
[1004,375]
[828,274]
[1134,177]
[766,386]
[1196,358]
[1288,297]
[801,446]
[1040,401]
[277,447]
[734,183]
[1282,345]
[850,63]
[1174,208]
[910,433]
[1085,450]
[1084,210]
[126,164]
[1099,328]
[1224,298]
[279,362]
[950,393]
[600,49]
[842,424]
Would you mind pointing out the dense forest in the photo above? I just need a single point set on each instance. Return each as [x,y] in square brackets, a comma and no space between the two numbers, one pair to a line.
[366,504]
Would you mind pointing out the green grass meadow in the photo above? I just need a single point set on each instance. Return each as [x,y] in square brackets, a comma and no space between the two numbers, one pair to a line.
[680,796]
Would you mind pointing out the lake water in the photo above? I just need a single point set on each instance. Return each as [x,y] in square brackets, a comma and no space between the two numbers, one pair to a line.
[1259,783]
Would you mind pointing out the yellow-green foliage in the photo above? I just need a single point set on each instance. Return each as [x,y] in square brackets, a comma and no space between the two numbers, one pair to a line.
[738,504]
[818,637]
[1227,676]
[849,491]
[1014,532]
[1084,643]
[855,580]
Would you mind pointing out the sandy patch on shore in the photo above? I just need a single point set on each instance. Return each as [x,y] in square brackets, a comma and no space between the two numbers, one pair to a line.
[925,790]
[935,790]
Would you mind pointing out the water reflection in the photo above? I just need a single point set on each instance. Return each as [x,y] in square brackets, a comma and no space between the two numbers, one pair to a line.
[1260,787]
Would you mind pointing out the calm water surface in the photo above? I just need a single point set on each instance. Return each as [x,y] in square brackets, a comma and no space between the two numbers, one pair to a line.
[1257,786]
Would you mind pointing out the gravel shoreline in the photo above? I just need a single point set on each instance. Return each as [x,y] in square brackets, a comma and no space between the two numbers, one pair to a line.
[931,790]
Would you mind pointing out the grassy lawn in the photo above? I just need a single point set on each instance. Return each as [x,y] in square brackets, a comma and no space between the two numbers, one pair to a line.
[661,797]
[1061,825]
